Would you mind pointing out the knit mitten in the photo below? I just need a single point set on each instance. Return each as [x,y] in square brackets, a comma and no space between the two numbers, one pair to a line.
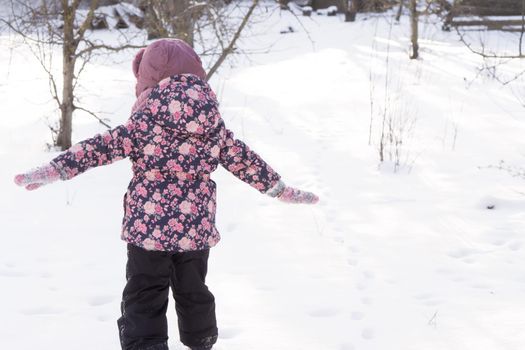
[289,194]
[37,177]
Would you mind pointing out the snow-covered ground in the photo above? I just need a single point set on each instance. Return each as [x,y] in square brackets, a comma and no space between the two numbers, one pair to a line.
[411,259]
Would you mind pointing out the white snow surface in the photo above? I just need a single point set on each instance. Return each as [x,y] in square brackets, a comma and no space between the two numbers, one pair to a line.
[410,259]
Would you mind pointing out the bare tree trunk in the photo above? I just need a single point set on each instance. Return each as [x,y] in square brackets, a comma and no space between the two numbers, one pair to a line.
[71,40]
[346,10]
[68,71]
[152,23]
[284,4]
[352,12]
[414,22]
[522,27]
[400,10]
[38,26]
[183,19]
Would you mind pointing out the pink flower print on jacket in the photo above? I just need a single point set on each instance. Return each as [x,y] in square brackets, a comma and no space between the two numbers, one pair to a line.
[174,142]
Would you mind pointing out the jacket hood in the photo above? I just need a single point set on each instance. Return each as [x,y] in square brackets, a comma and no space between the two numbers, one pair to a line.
[162,59]
[185,104]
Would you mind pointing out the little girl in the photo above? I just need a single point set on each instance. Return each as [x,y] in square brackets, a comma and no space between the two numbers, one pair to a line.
[175,139]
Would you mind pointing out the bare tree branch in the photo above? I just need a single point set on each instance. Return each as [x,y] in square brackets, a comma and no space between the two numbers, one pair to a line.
[229,49]
[305,30]
[92,47]
[94,116]
[482,53]
[87,22]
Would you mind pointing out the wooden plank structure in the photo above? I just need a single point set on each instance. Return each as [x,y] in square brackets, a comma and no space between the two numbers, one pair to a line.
[505,15]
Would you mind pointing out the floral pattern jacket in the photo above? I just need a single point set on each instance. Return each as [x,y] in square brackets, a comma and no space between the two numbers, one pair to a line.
[174,143]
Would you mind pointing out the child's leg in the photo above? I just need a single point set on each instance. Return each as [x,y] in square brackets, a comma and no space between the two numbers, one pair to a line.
[143,323]
[194,303]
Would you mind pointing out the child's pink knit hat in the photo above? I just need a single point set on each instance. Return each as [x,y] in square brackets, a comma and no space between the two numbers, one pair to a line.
[164,58]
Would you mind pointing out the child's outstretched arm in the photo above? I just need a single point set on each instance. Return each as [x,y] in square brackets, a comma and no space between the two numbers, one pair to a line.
[236,157]
[101,149]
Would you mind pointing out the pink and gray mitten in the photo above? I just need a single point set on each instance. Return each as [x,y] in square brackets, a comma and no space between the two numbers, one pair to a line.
[289,194]
[37,177]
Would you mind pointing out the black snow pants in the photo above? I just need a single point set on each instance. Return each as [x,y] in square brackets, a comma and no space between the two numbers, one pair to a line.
[149,274]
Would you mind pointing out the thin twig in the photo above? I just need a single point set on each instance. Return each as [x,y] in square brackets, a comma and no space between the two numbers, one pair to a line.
[231,46]
[92,47]
[482,53]
[94,115]
[305,30]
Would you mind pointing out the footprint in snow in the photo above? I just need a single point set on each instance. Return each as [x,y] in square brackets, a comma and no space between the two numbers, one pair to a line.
[353,249]
[366,300]
[444,271]
[357,316]
[427,299]
[331,216]
[104,318]
[423,296]
[368,333]
[46,275]
[42,310]
[346,346]
[515,246]
[360,286]
[352,262]
[369,275]
[229,332]
[461,253]
[480,286]
[498,242]
[338,239]
[231,227]
[11,271]
[458,279]
[265,288]
[99,300]
[323,312]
